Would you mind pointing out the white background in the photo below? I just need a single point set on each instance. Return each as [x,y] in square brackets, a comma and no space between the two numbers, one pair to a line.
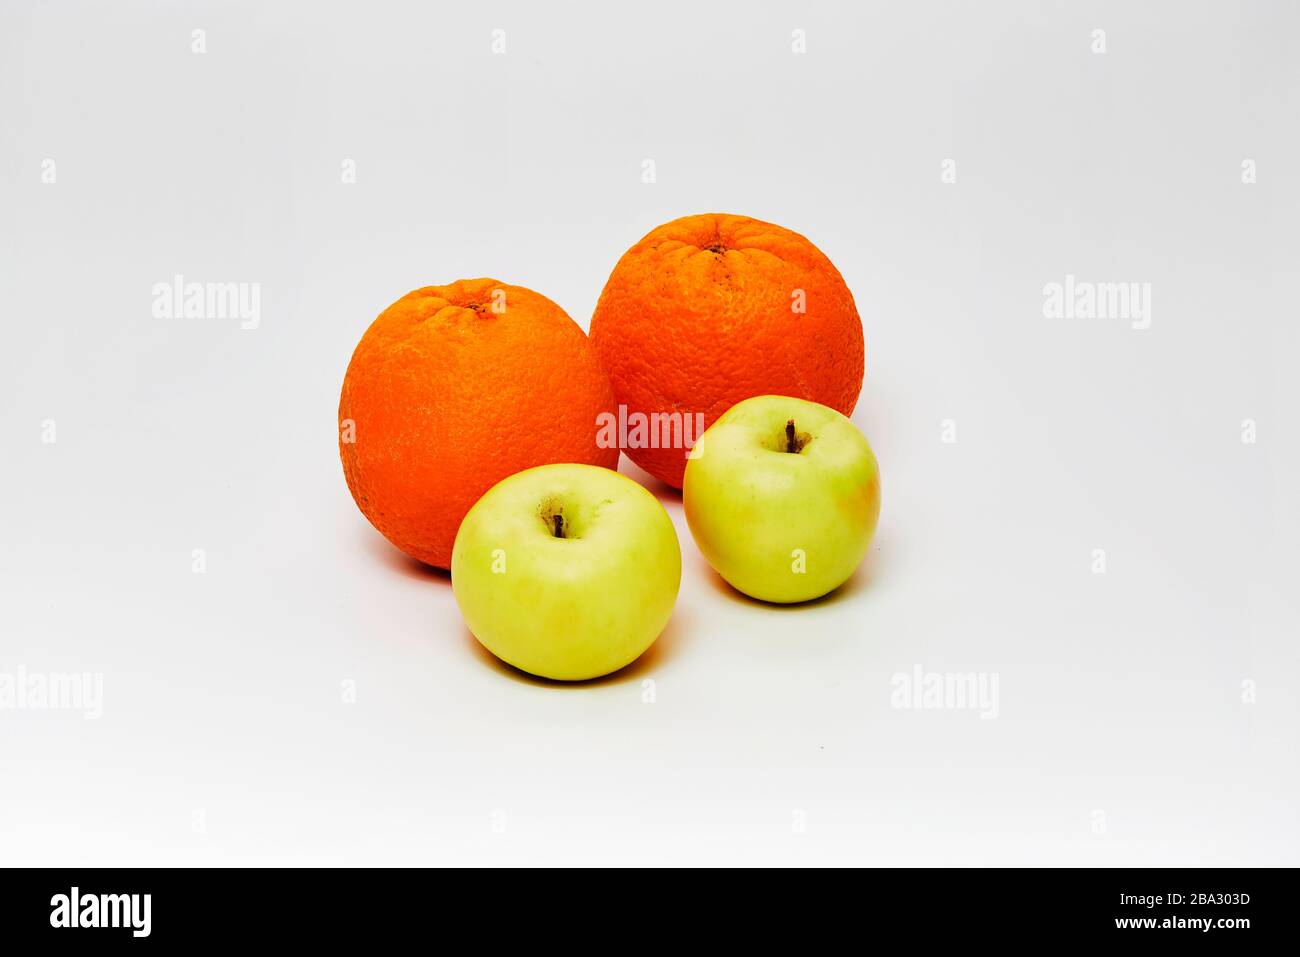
[1124,734]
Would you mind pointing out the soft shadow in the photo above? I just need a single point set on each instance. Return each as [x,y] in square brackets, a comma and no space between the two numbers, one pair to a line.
[662,651]
[402,563]
[859,582]
[656,487]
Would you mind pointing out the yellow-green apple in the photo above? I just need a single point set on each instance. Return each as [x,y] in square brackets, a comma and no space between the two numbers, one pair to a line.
[782,497]
[566,571]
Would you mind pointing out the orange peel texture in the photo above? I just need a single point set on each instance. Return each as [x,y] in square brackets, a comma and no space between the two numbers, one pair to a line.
[452,389]
[708,310]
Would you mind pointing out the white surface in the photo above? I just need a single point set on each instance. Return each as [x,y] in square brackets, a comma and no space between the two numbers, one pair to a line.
[224,737]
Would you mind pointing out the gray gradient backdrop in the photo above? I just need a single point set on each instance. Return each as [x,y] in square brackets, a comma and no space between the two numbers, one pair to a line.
[1128,730]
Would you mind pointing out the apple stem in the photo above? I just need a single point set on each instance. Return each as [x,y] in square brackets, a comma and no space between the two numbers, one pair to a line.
[791,443]
[559,525]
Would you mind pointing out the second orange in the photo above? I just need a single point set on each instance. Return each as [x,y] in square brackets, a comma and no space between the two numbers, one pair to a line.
[708,310]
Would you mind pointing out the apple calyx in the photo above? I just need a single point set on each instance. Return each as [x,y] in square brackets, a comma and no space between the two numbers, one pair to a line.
[559,525]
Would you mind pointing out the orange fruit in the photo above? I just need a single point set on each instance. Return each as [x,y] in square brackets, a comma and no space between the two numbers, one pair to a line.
[708,310]
[452,389]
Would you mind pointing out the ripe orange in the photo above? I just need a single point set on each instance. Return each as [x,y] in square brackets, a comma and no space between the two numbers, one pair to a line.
[705,311]
[452,389]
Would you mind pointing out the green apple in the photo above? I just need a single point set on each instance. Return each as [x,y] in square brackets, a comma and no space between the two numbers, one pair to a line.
[782,497]
[566,571]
